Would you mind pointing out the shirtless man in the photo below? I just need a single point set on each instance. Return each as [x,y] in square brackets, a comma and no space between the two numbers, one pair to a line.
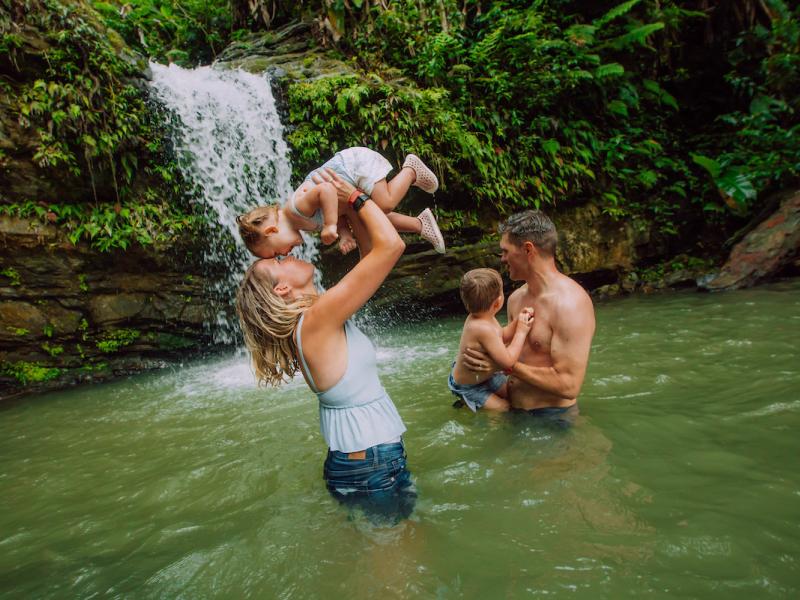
[547,378]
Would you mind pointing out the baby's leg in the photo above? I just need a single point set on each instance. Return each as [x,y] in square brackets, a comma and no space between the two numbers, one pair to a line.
[388,195]
[329,204]
[495,402]
[404,223]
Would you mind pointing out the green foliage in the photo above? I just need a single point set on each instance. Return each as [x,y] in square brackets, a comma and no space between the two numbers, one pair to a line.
[119,338]
[19,331]
[762,152]
[30,372]
[49,330]
[186,32]
[83,286]
[12,274]
[52,350]
[106,226]
[83,112]
[523,107]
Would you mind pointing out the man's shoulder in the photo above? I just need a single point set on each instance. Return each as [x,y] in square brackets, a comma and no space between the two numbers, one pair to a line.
[518,293]
[573,300]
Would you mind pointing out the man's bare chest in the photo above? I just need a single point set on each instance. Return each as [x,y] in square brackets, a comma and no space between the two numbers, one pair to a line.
[541,332]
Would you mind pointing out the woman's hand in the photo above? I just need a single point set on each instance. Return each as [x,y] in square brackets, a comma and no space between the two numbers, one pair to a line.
[343,188]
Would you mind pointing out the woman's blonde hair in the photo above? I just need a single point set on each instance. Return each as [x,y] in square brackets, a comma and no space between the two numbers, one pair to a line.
[251,223]
[268,322]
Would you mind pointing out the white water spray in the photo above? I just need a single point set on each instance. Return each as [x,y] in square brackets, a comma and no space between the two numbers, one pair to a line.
[230,148]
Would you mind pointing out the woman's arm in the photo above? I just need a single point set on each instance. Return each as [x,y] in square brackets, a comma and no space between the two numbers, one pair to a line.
[341,301]
[343,190]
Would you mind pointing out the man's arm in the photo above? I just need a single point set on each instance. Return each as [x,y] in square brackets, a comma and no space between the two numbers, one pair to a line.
[569,351]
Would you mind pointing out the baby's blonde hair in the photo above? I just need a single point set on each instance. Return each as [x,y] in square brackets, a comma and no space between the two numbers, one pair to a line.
[268,323]
[252,222]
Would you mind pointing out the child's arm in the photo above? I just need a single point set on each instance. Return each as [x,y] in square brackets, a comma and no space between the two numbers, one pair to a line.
[508,331]
[321,196]
[505,356]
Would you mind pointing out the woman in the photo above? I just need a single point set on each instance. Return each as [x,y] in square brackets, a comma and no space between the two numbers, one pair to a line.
[289,327]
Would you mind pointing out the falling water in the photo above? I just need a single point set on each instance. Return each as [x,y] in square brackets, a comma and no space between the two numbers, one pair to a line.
[229,144]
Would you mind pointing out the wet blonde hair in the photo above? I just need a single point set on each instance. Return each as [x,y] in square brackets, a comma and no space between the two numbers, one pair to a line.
[268,323]
[252,222]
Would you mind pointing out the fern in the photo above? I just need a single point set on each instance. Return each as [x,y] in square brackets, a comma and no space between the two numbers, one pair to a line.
[638,35]
[609,70]
[615,12]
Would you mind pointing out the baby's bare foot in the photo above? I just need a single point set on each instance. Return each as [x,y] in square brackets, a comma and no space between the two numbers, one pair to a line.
[347,244]
[329,234]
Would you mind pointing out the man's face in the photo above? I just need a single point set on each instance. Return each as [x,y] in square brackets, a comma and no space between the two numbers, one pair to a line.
[514,257]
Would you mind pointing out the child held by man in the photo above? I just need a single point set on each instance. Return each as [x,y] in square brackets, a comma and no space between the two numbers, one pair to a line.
[270,231]
[482,295]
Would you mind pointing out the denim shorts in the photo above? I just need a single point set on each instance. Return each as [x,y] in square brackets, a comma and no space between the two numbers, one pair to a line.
[475,396]
[379,484]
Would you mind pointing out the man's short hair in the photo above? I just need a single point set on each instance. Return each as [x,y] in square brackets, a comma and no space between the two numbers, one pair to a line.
[479,288]
[531,226]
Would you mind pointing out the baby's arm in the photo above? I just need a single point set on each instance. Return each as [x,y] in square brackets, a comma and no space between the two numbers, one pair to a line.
[321,196]
[503,356]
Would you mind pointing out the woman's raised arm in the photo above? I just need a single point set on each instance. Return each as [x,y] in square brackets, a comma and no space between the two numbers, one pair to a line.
[341,301]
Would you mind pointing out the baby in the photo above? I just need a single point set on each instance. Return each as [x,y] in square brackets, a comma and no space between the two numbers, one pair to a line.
[482,294]
[269,231]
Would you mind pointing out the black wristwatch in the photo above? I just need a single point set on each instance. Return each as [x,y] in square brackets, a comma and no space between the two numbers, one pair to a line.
[359,202]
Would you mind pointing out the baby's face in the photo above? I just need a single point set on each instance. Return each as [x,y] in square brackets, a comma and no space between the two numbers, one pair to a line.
[277,238]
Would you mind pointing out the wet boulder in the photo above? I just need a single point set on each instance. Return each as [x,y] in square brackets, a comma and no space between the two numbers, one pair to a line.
[764,252]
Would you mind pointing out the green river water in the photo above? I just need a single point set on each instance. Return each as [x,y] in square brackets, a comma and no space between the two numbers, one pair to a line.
[680,479]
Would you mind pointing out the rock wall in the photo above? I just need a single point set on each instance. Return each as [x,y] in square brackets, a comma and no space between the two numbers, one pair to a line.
[69,313]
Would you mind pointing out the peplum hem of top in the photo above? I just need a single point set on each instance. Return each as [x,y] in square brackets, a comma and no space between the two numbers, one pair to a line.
[360,427]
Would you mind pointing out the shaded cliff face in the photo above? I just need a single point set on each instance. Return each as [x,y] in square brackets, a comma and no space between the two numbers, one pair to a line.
[69,314]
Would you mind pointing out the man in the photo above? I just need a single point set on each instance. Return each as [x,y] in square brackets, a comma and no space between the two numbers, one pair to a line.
[547,378]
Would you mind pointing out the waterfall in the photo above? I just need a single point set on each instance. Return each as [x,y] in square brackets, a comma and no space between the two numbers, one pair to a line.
[230,148]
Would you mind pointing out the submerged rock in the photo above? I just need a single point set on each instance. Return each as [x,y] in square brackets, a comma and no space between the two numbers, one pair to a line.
[764,252]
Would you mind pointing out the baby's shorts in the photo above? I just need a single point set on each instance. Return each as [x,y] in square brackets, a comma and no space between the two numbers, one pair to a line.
[475,396]
[359,166]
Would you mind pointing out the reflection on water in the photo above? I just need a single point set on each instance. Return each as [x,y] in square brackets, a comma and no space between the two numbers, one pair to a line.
[678,480]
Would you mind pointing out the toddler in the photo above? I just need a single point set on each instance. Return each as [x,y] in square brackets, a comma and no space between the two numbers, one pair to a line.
[482,294]
[269,231]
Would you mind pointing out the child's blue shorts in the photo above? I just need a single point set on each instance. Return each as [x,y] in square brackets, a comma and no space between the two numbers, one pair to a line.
[475,396]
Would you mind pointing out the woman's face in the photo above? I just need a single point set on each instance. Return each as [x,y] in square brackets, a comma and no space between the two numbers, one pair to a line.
[293,272]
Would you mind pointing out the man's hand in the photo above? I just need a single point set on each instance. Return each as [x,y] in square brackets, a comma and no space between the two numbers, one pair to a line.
[478,361]
[343,189]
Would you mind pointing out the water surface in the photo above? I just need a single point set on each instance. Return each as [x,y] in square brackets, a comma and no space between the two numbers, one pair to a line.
[679,480]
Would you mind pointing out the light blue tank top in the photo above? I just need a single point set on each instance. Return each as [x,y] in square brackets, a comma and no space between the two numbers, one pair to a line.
[356,412]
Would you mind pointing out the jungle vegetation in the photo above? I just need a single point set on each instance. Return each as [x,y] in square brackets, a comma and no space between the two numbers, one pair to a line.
[682,112]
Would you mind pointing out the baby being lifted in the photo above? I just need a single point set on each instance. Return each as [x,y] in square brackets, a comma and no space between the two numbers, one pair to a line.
[270,231]
[482,294]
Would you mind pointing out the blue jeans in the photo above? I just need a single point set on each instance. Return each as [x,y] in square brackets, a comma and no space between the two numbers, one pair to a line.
[379,483]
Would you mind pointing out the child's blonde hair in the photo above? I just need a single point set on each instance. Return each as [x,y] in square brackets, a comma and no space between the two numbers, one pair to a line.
[268,322]
[479,288]
[251,223]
